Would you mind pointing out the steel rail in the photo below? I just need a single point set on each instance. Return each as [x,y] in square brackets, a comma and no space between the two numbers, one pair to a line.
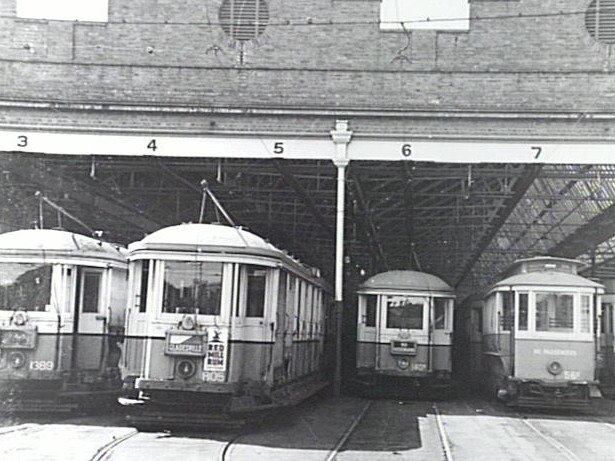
[346,435]
[446,447]
[104,452]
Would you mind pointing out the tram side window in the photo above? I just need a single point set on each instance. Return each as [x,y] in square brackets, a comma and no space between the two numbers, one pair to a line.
[554,312]
[255,302]
[606,319]
[143,291]
[91,292]
[192,286]
[439,305]
[403,312]
[585,313]
[371,302]
[25,286]
[507,311]
[523,311]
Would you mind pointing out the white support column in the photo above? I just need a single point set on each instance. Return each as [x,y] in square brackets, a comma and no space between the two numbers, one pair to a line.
[341,137]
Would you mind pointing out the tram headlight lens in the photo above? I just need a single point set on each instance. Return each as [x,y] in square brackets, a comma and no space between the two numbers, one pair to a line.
[186,369]
[188,323]
[17,360]
[403,363]
[555,368]
[19,319]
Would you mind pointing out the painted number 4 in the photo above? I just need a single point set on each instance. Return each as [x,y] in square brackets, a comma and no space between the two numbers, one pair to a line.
[152,145]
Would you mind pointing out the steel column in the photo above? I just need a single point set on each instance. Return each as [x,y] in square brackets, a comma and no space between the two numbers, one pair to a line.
[341,137]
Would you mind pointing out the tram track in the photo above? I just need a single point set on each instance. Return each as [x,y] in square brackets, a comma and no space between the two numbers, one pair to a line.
[27,428]
[106,450]
[565,451]
[331,455]
[446,446]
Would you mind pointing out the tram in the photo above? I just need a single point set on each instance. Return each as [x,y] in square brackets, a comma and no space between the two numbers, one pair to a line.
[607,343]
[404,331]
[539,335]
[62,303]
[220,324]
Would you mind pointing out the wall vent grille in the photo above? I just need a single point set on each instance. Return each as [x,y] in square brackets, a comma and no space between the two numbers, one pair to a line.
[244,20]
[600,20]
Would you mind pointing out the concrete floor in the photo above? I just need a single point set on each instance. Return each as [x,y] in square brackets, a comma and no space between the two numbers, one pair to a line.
[346,429]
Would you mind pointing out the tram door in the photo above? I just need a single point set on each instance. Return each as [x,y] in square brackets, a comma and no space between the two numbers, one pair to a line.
[89,320]
[281,331]
[607,341]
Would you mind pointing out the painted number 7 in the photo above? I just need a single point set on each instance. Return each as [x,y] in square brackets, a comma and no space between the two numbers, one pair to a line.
[537,151]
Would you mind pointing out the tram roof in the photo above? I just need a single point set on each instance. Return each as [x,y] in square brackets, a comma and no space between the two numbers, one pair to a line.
[190,236]
[215,238]
[406,280]
[548,278]
[52,242]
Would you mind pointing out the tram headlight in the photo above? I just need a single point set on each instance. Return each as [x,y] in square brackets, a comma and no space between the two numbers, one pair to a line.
[17,360]
[403,363]
[555,368]
[186,369]
[188,323]
[19,319]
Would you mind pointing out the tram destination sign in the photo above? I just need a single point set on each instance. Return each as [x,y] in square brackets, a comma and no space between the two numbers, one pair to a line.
[309,147]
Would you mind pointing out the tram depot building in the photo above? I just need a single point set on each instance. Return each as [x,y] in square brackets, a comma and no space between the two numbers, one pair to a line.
[451,136]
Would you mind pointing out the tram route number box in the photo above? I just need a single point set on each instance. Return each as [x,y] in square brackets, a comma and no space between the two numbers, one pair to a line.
[179,342]
[403,347]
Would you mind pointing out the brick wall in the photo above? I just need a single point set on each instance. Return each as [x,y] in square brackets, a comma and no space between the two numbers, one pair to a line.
[514,63]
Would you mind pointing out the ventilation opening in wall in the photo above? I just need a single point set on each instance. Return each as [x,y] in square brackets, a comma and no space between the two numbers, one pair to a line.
[244,20]
[600,20]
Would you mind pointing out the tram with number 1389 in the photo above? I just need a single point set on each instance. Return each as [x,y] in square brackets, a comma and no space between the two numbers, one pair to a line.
[62,303]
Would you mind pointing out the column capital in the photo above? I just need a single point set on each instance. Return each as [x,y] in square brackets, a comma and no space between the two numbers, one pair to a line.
[341,134]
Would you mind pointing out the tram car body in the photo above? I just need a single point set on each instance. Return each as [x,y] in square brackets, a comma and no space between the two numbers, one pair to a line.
[220,323]
[606,356]
[404,331]
[539,335]
[62,303]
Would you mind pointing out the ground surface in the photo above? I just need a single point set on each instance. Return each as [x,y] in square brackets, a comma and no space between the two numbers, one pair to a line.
[327,429]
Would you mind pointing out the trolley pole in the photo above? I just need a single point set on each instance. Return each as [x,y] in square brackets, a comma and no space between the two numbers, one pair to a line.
[341,137]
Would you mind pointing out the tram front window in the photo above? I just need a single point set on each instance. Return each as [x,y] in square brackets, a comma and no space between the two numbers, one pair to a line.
[405,313]
[25,286]
[191,287]
[554,312]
